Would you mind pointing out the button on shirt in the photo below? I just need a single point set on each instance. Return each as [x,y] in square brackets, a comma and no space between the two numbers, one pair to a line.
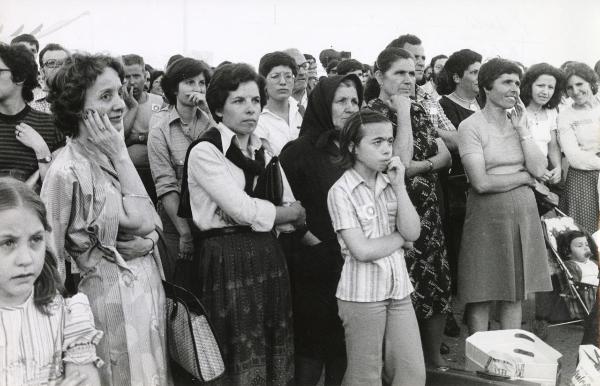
[352,204]
[275,130]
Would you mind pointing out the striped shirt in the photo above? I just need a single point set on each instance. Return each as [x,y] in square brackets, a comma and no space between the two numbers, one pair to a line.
[33,346]
[352,204]
[16,159]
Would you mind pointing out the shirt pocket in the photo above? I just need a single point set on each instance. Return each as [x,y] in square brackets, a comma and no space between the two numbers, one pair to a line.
[367,216]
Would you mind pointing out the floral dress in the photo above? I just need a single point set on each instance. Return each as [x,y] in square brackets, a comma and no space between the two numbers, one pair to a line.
[427,261]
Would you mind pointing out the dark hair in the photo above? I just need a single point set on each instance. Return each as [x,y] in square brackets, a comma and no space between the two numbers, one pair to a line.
[228,78]
[597,68]
[173,58]
[333,63]
[309,57]
[148,67]
[155,75]
[385,60]
[583,71]
[349,65]
[492,70]
[68,87]
[132,59]
[51,47]
[15,194]
[351,133]
[22,67]
[435,59]
[26,38]
[456,64]
[274,59]
[405,39]
[328,54]
[563,242]
[181,70]
[532,74]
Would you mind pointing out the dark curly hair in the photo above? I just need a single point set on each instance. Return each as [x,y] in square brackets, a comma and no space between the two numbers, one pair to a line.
[532,74]
[563,242]
[274,59]
[22,66]
[68,87]
[583,71]
[456,64]
[16,194]
[228,78]
[180,70]
[492,70]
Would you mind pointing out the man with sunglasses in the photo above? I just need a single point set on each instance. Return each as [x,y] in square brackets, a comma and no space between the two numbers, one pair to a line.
[51,58]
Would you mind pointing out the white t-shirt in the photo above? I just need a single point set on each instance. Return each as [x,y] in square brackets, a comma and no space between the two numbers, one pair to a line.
[541,129]
[589,272]
[275,130]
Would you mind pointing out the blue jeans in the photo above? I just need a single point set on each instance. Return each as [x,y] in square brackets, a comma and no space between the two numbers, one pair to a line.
[382,342]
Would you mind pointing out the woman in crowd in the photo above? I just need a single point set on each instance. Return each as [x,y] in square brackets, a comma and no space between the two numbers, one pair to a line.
[540,92]
[426,259]
[502,254]
[315,267]
[579,134]
[103,219]
[242,275]
[155,79]
[373,217]
[46,339]
[172,130]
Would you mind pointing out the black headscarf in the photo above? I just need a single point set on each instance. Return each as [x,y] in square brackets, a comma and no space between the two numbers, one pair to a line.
[317,122]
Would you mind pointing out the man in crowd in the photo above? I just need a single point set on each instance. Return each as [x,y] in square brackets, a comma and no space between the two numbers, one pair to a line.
[140,107]
[301,81]
[27,137]
[51,59]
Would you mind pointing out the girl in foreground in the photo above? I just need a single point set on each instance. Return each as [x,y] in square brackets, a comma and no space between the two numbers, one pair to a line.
[373,217]
[44,338]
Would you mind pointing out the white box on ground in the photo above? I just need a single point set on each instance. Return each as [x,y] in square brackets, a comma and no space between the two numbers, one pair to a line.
[517,354]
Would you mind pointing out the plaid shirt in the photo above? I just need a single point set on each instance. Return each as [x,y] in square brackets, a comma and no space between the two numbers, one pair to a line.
[435,111]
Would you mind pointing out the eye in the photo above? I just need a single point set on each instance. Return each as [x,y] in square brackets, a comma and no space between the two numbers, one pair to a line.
[37,239]
[106,97]
[256,100]
[8,243]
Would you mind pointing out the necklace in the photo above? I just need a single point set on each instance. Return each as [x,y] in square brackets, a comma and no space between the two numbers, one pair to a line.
[470,104]
[535,115]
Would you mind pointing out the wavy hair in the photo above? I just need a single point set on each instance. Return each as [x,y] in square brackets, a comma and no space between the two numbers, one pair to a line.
[532,74]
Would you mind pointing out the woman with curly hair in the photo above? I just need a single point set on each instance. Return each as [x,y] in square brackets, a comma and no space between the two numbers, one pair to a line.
[103,219]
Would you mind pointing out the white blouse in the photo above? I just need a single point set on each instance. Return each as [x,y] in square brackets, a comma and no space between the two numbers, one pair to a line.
[541,130]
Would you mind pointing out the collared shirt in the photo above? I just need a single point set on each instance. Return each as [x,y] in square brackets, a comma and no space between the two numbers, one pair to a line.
[276,131]
[352,204]
[216,187]
[168,142]
[429,88]
[434,110]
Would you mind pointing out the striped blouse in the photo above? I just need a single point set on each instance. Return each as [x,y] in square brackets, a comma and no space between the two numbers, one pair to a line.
[352,204]
[34,346]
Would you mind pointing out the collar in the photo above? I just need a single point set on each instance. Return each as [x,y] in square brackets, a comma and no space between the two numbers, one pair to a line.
[174,115]
[254,143]
[354,180]
[18,116]
[292,111]
[21,306]
[422,94]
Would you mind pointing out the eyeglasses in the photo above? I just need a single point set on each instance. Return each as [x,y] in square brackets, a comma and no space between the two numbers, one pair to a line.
[54,63]
[304,66]
[287,76]
[5,69]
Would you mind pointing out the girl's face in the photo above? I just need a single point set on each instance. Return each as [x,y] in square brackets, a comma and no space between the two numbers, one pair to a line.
[374,150]
[280,82]
[345,103]
[399,79]
[104,96]
[579,90]
[186,87]
[241,109]
[580,250]
[543,89]
[22,253]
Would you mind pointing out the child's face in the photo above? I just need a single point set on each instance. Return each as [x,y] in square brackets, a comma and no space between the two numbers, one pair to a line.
[580,250]
[374,150]
[22,253]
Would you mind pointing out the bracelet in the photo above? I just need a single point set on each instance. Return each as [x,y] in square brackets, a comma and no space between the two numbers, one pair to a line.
[133,195]
[525,138]
[430,165]
[153,244]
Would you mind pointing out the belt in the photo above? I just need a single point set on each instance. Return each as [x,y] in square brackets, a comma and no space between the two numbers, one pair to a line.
[203,235]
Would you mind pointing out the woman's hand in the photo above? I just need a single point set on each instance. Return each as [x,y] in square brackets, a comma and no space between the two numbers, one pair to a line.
[300,214]
[396,171]
[29,137]
[186,247]
[197,98]
[103,135]
[135,247]
[518,117]
[400,103]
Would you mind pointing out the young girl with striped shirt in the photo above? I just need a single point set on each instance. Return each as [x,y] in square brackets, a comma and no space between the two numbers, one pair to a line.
[374,217]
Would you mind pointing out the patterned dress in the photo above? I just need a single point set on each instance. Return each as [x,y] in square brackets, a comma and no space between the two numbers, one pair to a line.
[427,261]
[82,192]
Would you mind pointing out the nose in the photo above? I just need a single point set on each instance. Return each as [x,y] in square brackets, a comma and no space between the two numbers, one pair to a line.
[24,255]
[119,103]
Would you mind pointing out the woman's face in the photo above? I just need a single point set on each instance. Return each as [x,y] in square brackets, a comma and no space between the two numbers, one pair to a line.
[468,83]
[579,90]
[156,87]
[374,150]
[399,79]
[22,253]
[345,103]
[505,91]
[542,89]
[188,86]
[104,97]
[280,82]
[241,109]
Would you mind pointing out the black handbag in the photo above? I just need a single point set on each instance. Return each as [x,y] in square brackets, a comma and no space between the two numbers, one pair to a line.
[269,185]
[190,338]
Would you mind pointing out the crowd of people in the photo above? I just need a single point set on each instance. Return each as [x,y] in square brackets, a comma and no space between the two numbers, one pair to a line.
[405,189]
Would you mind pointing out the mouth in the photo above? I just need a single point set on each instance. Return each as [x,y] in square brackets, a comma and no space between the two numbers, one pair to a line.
[116,119]
[250,121]
[23,276]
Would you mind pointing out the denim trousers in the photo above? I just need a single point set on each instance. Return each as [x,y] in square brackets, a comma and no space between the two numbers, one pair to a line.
[382,343]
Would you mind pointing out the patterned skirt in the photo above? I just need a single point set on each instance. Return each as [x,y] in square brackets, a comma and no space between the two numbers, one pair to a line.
[580,198]
[244,285]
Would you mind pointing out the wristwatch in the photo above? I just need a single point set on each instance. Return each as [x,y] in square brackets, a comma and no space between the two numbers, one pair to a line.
[430,164]
[45,160]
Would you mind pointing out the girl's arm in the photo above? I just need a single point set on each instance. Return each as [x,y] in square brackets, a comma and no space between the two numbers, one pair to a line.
[555,158]
[535,162]
[76,375]
[407,218]
[365,249]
